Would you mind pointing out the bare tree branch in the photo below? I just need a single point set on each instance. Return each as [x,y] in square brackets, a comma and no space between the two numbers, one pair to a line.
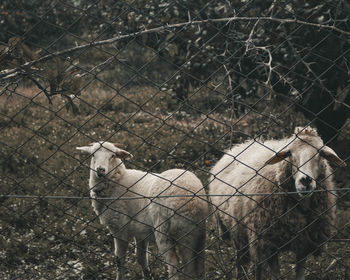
[14,72]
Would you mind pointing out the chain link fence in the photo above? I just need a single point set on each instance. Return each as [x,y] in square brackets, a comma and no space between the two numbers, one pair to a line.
[177,84]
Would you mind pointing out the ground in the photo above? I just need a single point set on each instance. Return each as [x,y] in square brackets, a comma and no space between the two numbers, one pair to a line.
[52,238]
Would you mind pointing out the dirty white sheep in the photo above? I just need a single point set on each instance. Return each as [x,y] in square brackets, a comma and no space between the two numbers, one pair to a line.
[262,226]
[176,222]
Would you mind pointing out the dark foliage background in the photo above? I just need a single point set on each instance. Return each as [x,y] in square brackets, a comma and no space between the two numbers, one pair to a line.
[308,64]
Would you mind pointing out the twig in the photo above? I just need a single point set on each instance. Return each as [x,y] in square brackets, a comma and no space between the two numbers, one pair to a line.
[97,66]
[229,78]
[265,64]
[331,264]
[250,40]
[342,103]
[268,64]
[233,114]
[48,95]
[5,73]
[4,88]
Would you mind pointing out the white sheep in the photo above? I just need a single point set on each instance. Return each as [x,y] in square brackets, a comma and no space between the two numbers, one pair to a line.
[262,226]
[172,222]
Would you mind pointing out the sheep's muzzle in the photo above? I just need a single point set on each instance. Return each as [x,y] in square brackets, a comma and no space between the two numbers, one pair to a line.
[101,171]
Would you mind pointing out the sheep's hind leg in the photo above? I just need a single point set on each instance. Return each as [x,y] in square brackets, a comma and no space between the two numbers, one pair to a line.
[141,254]
[274,266]
[242,260]
[192,253]
[166,249]
[258,271]
[300,269]
[120,248]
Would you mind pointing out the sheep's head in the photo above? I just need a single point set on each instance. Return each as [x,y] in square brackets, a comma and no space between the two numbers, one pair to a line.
[306,152]
[105,157]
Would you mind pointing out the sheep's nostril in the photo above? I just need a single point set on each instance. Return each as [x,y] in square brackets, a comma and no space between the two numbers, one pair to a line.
[101,171]
[306,181]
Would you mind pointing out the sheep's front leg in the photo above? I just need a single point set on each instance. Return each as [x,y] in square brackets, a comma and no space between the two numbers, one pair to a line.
[141,254]
[120,248]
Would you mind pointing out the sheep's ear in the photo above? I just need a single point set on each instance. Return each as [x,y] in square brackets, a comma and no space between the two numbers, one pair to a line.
[123,154]
[331,156]
[278,157]
[87,149]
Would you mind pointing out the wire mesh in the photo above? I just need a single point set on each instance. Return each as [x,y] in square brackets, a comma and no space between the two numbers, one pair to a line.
[177,84]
